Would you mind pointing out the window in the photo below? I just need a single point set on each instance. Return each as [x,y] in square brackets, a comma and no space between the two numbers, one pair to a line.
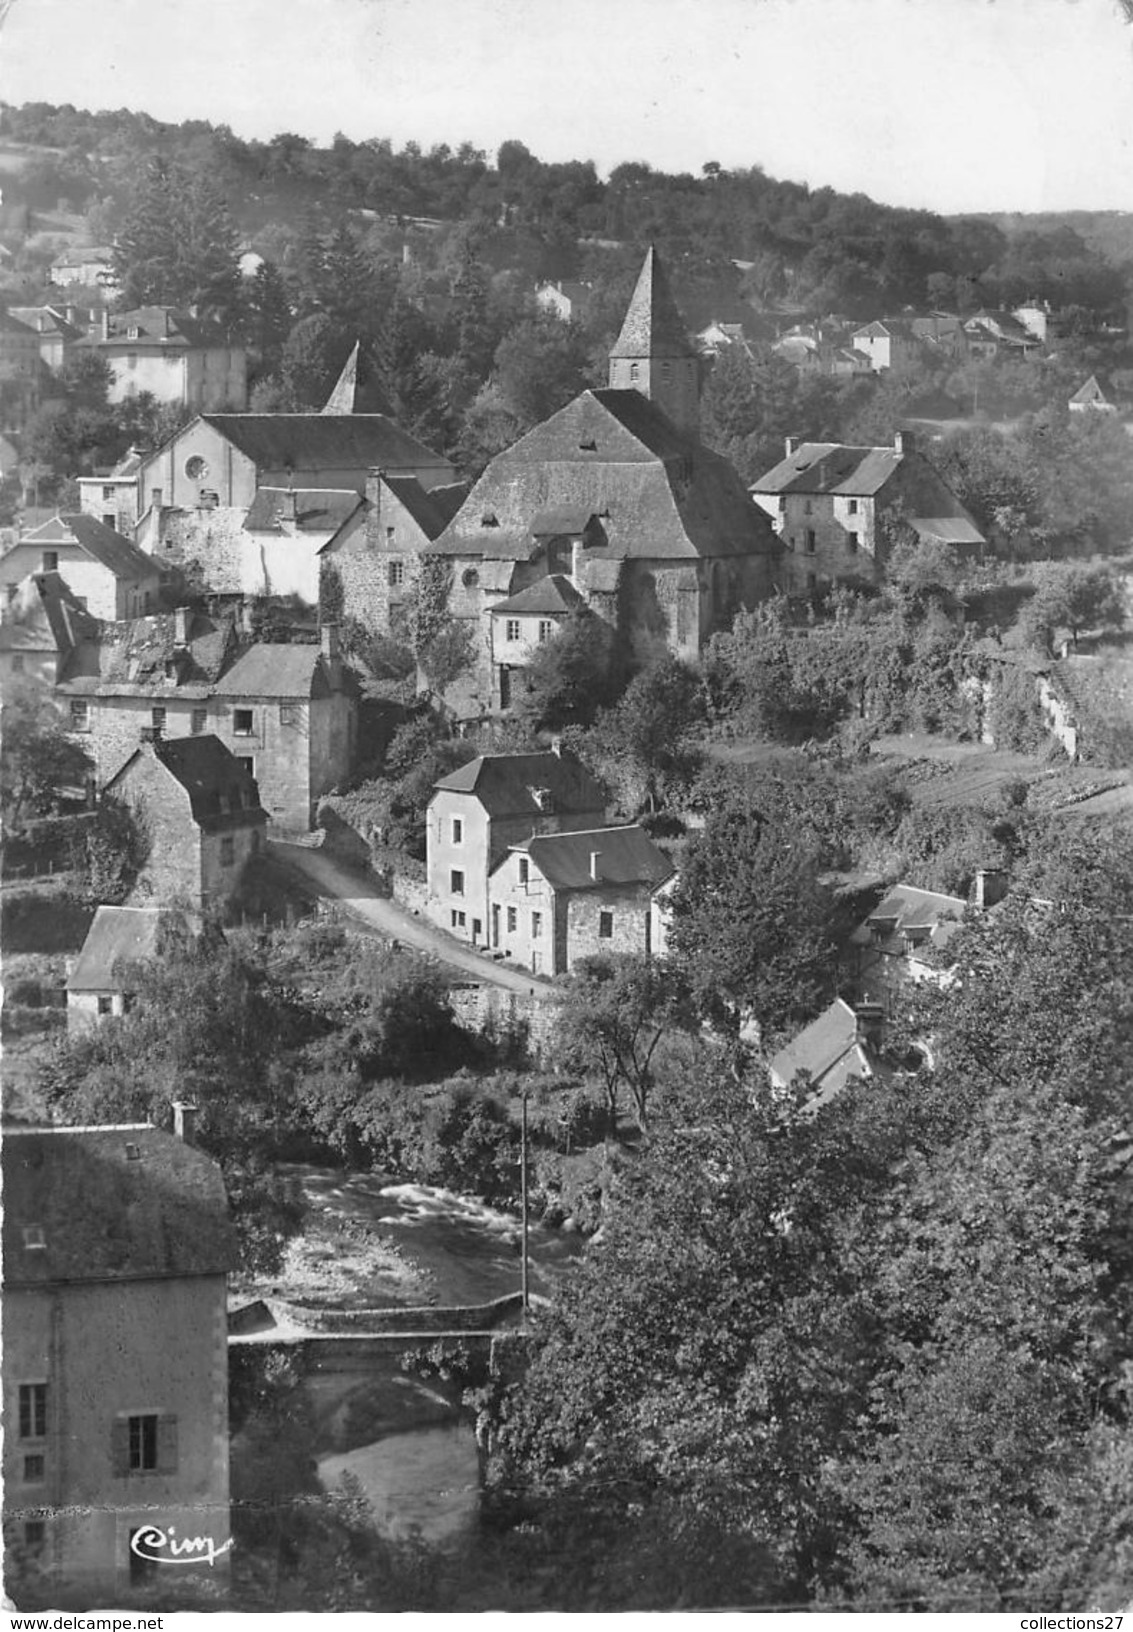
[227,850]
[546,628]
[470,577]
[459,920]
[512,920]
[105,1005]
[131,359]
[143,1444]
[198,721]
[634,371]
[35,1469]
[291,714]
[33,1410]
[852,507]
[80,715]
[248,763]
[811,581]
[110,521]
[852,541]
[524,869]
[35,1535]
[51,560]
[666,371]
[17,662]
[458,830]
[810,541]
[456,881]
[605,926]
[512,631]
[13,591]
[536,925]
[108,494]
[808,507]
[34,1239]
[146,1443]
[396,574]
[243,721]
[132,332]
[157,719]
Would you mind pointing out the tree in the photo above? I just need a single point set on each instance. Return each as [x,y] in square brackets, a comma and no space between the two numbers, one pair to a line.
[648,731]
[615,1012]
[538,368]
[1073,596]
[570,676]
[177,244]
[38,760]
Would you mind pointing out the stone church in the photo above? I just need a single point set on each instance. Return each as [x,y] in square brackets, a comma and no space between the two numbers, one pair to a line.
[612,504]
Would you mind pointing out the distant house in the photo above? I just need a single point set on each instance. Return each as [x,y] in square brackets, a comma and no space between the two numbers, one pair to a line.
[112,497]
[568,300]
[521,623]
[285,531]
[888,343]
[201,813]
[93,267]
[41,623]
[830,503]
[57,334]
[103,570]
[479,811]
[286,711]
[1093,397]
[370,566]
[99,984]
[993,333]
[117,1248]
[943,331]
[901,939]
[173,357]
[557,897]
[716,337]
[841,1045]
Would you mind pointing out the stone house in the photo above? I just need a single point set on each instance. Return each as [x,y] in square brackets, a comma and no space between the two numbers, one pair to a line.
[57,334]
[98,983]
[41,623]
[93,268]
[829,503]
[557,897]
[616,493]
[109,574]
[200,811]
[199,492]
[117,1249]
[901,939]
[371,566]
[112,496]
[889,342]
[478,811]
[567,299]
[992,333]
[287,710]
[174,357]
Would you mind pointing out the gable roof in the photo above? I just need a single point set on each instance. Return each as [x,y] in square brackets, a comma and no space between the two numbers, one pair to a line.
[317,510]
[653,327]
[270,669]
[1093,391]
[45,616]
[959,530]
[829,1052]
[117,554]
[658,493]
[506,785]
[222,794]
[118,936]
[831,467]
[432,514]
[552,595]
[130,657]
[907,908]
[162,326]
[332,441]
[107,1214]
[626,856]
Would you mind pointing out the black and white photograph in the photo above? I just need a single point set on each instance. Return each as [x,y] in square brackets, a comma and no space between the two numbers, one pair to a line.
[566,786]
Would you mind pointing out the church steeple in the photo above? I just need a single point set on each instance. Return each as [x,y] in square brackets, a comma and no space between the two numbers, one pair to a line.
[653,353]
[342,398]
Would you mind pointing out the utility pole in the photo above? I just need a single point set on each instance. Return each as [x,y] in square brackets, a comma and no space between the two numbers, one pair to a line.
[523,1197]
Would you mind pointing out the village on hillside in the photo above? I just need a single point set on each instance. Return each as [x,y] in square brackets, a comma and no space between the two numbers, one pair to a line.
[565,906]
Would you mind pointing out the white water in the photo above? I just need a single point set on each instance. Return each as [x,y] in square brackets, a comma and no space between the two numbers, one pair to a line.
[426,1480]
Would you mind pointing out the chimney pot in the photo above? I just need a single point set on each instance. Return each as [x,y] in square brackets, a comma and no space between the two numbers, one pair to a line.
[181,626]
[185,1121]
[156,498]
[991,886]
[105,323]
[289,506]
[791,444]
[594,855]
[869,1024]
[329,641]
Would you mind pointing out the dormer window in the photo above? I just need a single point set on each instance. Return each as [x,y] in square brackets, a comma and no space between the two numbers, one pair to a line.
[489,519]
[634,371]
[133,1153]
[589,446]
[132,332]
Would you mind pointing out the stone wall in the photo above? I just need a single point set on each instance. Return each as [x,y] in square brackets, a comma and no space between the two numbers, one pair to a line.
[629,910]
[216,541]
[479,1008]
[172,872]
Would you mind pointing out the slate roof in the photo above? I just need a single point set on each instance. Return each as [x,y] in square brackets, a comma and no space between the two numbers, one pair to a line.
[118,936]
[949,529]
[928,913]
[336,441]
[829,1052]
[53,621]
[107,1214]
[162,326]
[552,595]
[505,784]
[1093,391]
[270,670]
[658,493]
[342,397]
[13,325]
[317,510]
[109,548]
[831,467]
[130,657]
[627,856]
[45,320]
[431,514]
[222,795]
[653,326]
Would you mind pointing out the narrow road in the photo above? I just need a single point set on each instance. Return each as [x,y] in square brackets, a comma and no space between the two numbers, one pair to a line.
[359,897]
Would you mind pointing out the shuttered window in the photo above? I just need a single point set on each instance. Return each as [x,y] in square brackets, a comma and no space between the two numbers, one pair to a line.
[146,1443]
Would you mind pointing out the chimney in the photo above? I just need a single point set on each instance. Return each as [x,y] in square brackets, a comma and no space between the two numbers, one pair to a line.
[288,508]
[991,886]
[105,323]
[244,620]
[185,1121]
[557,745]
[792,445]
[594,855]
[869,1025]
[151,734]
[156,499]
[181,626]
[328,640]
[905,442]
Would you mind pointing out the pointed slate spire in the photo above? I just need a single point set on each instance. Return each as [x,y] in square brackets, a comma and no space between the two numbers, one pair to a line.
[653,326]
[342,398]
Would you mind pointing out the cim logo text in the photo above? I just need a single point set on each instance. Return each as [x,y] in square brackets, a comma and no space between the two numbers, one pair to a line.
[158,1546]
